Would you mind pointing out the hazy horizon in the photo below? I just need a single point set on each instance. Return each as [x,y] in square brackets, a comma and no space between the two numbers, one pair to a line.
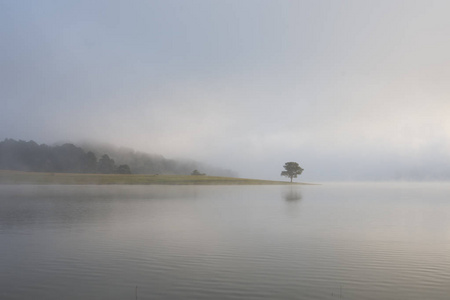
[351,90]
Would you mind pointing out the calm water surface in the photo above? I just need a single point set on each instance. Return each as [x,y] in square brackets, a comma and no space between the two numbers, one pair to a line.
[334,241]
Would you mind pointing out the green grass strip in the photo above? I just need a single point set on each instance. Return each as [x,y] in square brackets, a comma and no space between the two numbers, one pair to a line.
[18,177]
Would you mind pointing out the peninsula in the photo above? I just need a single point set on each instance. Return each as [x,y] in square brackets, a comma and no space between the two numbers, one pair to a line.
[19,177]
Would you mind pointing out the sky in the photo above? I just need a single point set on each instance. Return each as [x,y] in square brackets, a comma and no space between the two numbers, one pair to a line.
[351,90]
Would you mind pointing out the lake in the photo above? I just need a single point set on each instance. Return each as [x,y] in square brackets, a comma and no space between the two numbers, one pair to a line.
[331,241]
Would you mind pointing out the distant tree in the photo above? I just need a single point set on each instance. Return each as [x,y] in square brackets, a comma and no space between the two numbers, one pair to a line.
[292,169]
[67,158]
[197,173]
[123,169]
[106,165]
[89,163]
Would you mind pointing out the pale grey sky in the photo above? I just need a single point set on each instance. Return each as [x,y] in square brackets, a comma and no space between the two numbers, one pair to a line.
[352,90]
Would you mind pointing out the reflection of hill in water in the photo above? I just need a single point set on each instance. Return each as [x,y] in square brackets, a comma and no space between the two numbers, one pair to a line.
[70,205]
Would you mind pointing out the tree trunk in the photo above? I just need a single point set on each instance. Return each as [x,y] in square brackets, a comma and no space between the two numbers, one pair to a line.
[291,179]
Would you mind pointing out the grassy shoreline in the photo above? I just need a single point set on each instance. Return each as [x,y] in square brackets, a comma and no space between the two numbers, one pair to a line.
[18,177]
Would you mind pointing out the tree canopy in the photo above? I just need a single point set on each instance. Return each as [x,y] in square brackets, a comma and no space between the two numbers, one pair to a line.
[106,165]
[291,170]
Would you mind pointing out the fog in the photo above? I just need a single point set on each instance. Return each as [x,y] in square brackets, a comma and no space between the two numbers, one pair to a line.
[351,90]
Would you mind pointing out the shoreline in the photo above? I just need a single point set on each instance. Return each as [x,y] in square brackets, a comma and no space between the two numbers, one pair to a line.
[40,178]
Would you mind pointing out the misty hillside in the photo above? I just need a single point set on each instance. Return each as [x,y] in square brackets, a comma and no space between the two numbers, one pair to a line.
[68,158]
[145,163]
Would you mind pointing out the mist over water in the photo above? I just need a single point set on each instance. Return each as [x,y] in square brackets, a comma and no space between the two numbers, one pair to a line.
[349,241]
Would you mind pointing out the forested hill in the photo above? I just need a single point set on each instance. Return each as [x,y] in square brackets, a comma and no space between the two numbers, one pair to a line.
[68,158]
[145,163]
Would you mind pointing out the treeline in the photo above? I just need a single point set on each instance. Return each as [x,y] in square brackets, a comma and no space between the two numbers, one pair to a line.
[68,158]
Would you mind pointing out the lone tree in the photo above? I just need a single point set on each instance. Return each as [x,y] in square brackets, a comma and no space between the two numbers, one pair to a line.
[292,169]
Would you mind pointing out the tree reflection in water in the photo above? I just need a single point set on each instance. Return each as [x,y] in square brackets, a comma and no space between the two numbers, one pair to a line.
[293,194]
